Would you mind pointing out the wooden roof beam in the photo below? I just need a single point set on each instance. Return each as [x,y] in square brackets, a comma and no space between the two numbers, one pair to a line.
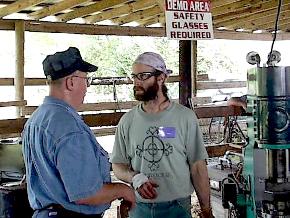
[248,18]
[220,3]
[271,24]
[239,13]
[238,5]
[90,29]
[161,4]
[87,29]
[56,8]
[285,25]
[18,6]
[7,24]
[269,12]
[159,19]
[99,6]
[264,21]
[139,15]
[116,12]
[147,18]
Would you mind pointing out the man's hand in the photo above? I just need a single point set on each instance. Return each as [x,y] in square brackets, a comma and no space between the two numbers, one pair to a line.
[148,189]
[128,195]
[144,186]
[206,213]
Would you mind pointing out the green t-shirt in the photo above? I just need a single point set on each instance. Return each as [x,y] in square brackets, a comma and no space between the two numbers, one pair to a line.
[161,146]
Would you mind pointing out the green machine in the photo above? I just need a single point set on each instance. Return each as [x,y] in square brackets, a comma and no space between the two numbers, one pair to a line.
[263,187]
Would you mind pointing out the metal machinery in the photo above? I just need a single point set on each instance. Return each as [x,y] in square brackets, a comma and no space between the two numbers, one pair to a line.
[13,194]
[263,188]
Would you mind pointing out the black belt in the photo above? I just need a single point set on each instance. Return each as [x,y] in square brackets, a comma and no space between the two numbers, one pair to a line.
[60,212]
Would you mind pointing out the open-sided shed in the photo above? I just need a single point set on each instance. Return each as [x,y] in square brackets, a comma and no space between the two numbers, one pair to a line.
[251,20]
[232,19]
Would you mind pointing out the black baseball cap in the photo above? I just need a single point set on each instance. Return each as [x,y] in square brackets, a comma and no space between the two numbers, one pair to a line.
[64,63]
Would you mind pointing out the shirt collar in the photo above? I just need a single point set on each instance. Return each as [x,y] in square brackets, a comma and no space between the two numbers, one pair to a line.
[51,99]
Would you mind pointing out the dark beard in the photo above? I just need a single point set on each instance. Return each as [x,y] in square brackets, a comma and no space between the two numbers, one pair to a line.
[147,95]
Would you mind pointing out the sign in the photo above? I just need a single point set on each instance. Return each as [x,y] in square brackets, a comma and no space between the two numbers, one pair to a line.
[188,20]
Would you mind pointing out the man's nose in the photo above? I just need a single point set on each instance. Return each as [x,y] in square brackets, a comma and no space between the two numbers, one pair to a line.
[137,82]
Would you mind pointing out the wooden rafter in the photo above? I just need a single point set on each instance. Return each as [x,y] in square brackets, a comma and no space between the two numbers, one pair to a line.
[266,21]
[285,25]
[99,6]
[271,24]
[220,3]
[233,22]
[90,29]
[139,15]
[161,4]
[159,19]
[253,17]
[147,19]
[18,6]
[244,12]
[116,12]
[238,6]
[13,103]
[56,8]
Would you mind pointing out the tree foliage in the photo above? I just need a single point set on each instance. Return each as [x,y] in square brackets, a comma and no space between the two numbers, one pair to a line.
[212,59]
[114,56]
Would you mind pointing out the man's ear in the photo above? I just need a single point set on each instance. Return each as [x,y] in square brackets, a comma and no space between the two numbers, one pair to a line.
[161,78]
[69,83]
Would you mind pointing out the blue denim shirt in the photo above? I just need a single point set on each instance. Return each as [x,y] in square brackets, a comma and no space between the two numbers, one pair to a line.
[64,162]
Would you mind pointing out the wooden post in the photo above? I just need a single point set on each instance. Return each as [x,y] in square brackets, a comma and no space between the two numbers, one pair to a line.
[19,74]
[194,68]
[185,89]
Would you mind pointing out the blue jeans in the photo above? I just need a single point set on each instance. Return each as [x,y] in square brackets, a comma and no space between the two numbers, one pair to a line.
[179,208]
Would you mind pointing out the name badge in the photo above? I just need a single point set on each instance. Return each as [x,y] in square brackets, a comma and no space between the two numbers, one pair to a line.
[166,132]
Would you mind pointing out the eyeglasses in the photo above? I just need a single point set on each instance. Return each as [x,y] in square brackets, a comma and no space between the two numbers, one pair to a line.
[144,75]
[88,79]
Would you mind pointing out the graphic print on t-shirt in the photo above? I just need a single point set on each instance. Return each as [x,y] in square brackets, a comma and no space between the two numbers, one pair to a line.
[153,149]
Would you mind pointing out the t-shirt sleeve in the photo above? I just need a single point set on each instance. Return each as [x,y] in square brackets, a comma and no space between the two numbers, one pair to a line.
[119,153]
[195,147]
[78,160]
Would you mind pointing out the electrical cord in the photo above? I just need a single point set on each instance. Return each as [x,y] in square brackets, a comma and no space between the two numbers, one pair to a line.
[275,31]
[232,180]
[115,96]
